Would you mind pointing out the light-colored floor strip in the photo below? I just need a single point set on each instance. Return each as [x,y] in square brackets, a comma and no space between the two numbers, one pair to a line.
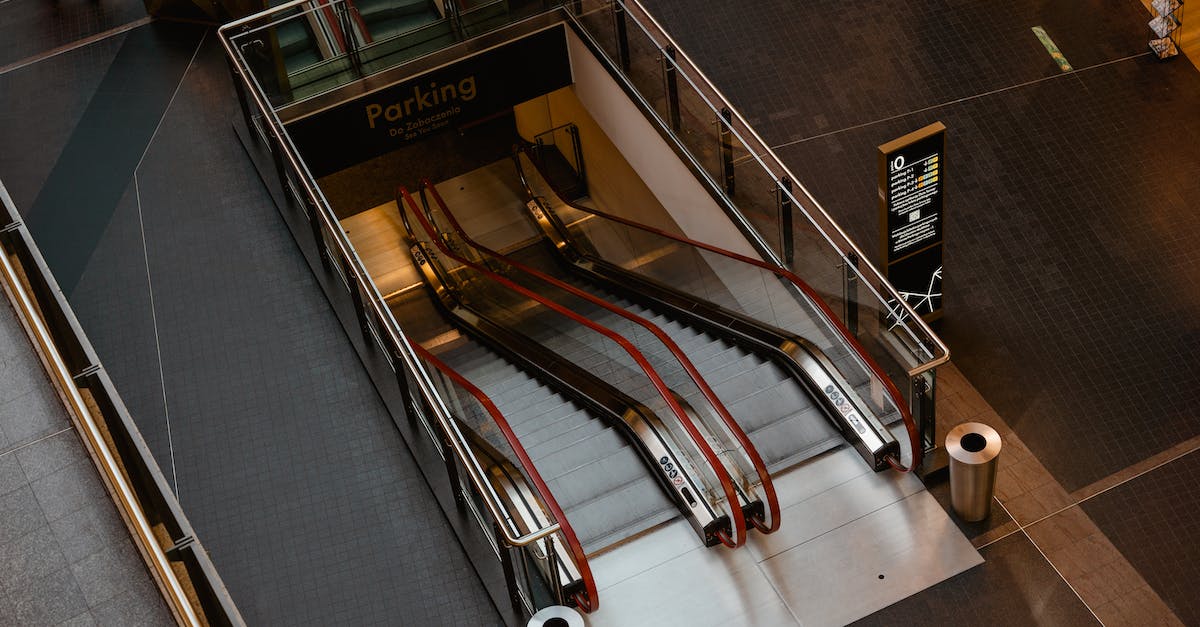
[32,442]
[957,101]
[54,52]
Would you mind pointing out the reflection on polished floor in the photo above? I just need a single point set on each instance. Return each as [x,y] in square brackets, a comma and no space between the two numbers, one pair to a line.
[1071,295]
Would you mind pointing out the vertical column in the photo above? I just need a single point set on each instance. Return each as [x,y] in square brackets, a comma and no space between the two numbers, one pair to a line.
[923,408]
[726,137]
[786,238]
[850,293]
[671,74]
[622,36]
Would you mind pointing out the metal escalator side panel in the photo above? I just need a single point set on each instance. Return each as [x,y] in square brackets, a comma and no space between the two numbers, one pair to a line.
[784,275]
[731,437]
[815,372]
[642,427]
[675,472]
[862,428]
[735,535]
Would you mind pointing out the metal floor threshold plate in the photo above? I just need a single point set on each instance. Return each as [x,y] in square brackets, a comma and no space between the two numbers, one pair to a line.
[852,543]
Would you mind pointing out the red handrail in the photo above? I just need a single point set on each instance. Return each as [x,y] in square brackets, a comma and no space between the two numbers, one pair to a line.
[897,398]
[737,520]
[590,600]
[772,504]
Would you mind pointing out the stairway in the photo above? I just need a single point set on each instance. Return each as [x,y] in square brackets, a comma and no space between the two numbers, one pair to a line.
[598,478]
[776,413]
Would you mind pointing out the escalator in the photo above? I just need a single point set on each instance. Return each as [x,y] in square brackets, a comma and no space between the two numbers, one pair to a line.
[792,397]
[617,468]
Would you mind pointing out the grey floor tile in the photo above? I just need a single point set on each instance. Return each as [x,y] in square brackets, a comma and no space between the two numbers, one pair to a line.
[11,475]
[36,413]
[21,514]
[89,529]
[69,489]
[84,619]
[108,573]
[52,598]
[130,609]
[29,557]
[49,455]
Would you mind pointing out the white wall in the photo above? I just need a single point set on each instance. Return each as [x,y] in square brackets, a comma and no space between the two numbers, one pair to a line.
[656,164]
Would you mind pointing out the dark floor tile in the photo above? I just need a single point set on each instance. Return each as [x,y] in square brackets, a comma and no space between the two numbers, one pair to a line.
[1014,586]
[31,27]
[40,105]
[113,304]
[798,69]
[1154,521]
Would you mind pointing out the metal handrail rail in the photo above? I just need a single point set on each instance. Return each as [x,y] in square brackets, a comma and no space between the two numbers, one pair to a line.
[737,519]
[561,523]
[359,279]
[940,353]
[760,468]
[143,533]
[865,358]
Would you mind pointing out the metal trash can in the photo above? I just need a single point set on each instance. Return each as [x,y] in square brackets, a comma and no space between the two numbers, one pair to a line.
[974,449]
[556,616]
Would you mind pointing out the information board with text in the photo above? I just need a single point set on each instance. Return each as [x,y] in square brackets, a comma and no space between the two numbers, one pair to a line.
[911,192]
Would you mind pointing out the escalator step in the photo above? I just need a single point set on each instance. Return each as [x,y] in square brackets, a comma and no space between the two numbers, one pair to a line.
[546,441]
[529,415]
[596,478]
[794,439]
[621,514]
[591,450]
[770,404]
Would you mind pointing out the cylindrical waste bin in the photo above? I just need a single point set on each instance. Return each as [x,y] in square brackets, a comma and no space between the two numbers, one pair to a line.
[556,616]
[974,449]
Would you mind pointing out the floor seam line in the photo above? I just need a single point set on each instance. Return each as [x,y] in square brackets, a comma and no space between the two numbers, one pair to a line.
[1139,475]
[167,109]
[41,439]
[162,378]
[75,45]
[958,101]
[1022,529]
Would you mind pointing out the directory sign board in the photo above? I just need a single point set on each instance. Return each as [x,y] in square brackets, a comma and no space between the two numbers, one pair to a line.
[448,97]
[912,179]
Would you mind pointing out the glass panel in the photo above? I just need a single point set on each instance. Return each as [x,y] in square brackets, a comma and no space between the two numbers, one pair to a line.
[302,51]
[897,343]
[601,355]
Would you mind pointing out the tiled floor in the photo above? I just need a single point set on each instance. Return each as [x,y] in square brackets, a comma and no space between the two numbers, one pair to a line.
[1070,260]
[32,27]
[1071,300]
[984,595]
[65,555]
[226,352]
[1152,521]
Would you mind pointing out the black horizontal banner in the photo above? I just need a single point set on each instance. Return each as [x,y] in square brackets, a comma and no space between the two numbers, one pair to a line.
[451,96]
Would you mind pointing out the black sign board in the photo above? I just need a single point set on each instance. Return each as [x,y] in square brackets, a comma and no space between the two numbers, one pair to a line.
[912,177]
[467,90]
